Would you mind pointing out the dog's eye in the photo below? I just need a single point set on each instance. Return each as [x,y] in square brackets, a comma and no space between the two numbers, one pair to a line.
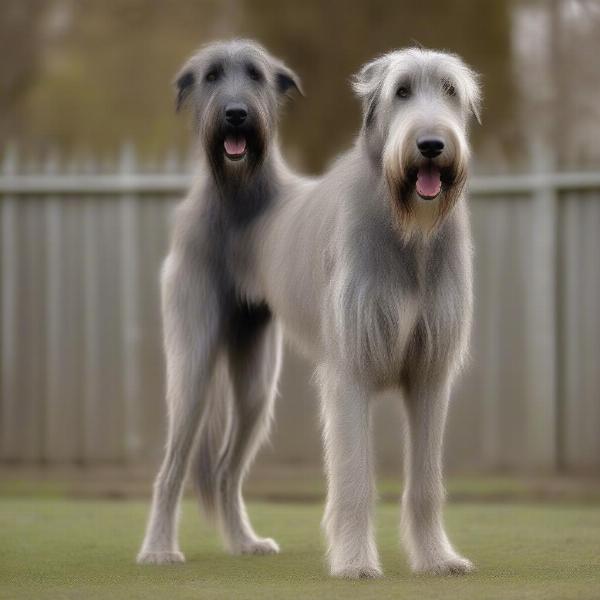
[403,92]
[254,73]
[449,88]
[212,75]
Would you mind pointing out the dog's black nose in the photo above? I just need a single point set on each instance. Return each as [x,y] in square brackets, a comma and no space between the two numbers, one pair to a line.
[236,113]
[430,147]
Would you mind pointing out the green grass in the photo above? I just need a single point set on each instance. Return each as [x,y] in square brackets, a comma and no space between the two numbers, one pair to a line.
[54,548]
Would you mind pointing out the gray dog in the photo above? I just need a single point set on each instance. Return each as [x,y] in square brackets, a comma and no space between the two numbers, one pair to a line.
[223,348]
[368,269]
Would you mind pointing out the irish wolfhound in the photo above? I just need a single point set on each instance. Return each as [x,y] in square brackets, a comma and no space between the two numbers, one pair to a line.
[369,271]
[223,350]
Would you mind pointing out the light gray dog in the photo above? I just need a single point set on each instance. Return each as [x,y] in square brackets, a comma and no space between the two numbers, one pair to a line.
[369,270]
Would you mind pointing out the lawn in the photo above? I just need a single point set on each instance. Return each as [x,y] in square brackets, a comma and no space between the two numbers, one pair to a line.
[56,548]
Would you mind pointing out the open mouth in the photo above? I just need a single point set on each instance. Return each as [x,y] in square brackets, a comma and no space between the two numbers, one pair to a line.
[429,180]
[235,147]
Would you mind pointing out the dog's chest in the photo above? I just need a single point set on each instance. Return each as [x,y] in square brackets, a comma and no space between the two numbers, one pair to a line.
[406,295]
[240,263]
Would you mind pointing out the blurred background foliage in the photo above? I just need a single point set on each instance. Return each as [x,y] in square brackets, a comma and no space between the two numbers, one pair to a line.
[85,75]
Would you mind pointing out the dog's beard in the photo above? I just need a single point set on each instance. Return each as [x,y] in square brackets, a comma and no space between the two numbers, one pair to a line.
[418,202]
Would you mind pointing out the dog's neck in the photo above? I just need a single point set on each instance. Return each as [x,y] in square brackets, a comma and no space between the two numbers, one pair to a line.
[243,191]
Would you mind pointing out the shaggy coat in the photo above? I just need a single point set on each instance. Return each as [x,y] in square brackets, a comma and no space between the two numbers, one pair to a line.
[368,271]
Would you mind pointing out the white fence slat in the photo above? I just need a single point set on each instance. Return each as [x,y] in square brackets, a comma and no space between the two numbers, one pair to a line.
[94,436]
[541,320]
[130,303]
[69,417]
[30,330]
[9,438]
[581,339]
[57,444]
[491,437]
[153,216]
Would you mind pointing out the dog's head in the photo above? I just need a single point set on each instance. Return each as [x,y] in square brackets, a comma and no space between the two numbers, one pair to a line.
[234,89]
[417,104]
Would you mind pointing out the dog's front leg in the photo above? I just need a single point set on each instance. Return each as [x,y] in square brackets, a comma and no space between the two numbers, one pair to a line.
[192,319]
[428,546]
[348,519]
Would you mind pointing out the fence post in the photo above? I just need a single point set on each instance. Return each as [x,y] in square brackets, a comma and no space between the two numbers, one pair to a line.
[57,445]
[541,313]
[9,448]
[130,304]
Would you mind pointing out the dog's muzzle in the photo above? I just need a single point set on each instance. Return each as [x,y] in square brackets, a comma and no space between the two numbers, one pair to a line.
[428,182]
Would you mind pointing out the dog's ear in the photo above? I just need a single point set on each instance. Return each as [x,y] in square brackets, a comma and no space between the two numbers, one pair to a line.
[475,103]
[472,91]
[475,109]
[184,84]
[287,81]
[367,80]
[366,84]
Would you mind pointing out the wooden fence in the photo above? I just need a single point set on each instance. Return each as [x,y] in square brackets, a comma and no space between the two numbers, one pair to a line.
[81,359]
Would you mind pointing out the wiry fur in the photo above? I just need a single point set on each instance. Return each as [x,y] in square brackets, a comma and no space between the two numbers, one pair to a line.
[222,346]
[215,430]
[367,279]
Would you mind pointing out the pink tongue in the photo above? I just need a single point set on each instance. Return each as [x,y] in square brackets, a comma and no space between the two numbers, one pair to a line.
[235,146]
[428,181]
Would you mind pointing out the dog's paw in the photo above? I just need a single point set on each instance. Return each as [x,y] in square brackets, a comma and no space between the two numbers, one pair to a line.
[258,546]
[451,565]
[356,572]
[160,558]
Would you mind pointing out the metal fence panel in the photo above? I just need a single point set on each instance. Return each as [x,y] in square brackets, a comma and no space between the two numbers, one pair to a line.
[82,368]
[579,349]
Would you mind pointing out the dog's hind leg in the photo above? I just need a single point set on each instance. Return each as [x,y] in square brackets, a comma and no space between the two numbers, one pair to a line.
[192,325]
[254,360]
[348,519]
[428,546]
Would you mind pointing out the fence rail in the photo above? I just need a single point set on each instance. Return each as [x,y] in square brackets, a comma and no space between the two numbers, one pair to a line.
[41,184]
[82,367]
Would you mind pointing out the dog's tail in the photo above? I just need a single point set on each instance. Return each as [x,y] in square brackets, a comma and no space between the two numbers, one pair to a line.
[211,442]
